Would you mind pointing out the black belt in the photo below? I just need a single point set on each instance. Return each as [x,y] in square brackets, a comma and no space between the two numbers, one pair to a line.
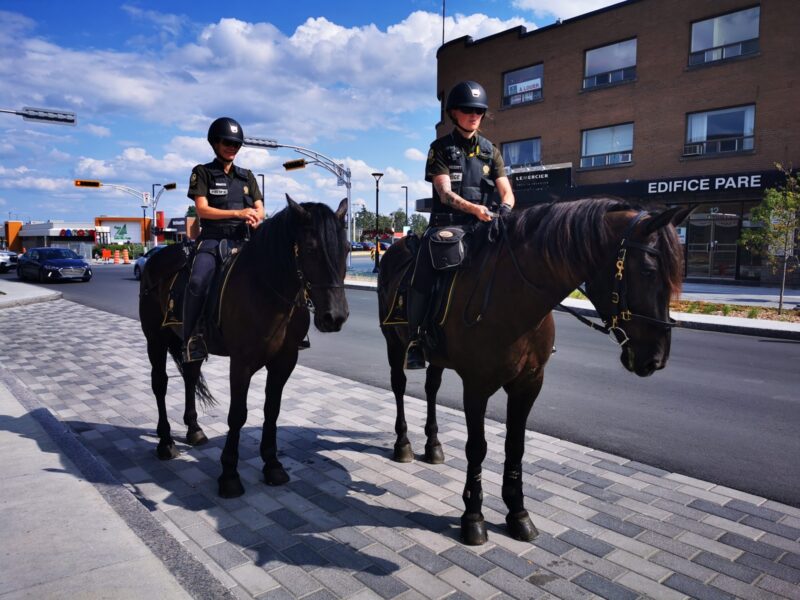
[445,219]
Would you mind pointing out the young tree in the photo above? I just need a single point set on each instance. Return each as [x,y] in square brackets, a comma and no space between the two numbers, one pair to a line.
[418,223]
[779,217]
[191,211]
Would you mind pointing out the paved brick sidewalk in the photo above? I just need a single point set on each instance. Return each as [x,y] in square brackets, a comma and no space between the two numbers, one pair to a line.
[353,524]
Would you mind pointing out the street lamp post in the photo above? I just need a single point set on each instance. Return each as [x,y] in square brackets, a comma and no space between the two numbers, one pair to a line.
[263,190]
[405,187]
[342,174]
[166,186]
[377,177]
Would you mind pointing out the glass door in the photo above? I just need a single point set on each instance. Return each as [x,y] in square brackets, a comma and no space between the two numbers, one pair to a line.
[712,243]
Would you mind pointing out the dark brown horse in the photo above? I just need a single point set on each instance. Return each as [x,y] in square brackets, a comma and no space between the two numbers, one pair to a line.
[499,329]
[294,260]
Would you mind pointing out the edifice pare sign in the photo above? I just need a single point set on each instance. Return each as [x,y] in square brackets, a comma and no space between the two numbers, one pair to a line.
[715,183]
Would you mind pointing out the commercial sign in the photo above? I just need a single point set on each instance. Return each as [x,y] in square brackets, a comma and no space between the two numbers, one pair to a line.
[714,183]
[545,177]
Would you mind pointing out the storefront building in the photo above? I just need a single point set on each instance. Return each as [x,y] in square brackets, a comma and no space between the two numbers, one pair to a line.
[660,102]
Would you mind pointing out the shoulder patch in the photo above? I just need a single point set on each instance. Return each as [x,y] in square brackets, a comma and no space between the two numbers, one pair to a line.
[430,155]
[193,179]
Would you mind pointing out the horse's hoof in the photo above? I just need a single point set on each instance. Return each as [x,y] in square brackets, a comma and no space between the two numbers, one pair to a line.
[473,532]
[230,488]
[520,527]
[167,452]
[275,475]
[196,438]
[403,453]
[434,454]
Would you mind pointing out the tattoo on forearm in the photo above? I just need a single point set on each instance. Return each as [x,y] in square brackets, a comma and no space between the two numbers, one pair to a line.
[449,197]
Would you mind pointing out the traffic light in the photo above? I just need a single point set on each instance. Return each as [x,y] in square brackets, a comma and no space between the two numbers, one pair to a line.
[87,183]
[292,165]
[49,116]
[170,186]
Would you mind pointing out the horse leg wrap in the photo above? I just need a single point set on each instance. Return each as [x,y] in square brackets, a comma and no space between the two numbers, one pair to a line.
[512,489]
[473,494]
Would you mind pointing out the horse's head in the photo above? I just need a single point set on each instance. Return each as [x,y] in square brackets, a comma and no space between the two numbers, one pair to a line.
[321,249]
[633,289]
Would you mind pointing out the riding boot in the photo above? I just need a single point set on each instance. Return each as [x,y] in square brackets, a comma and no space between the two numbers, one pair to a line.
[194,346]
[417,307]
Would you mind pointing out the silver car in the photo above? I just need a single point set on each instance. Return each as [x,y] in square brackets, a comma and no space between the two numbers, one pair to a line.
[138,265]
[8,260]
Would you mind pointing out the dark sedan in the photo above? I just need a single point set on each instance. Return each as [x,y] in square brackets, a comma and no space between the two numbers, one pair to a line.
[52,264]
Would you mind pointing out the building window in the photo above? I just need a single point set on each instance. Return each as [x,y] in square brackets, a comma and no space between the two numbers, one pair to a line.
[523,85]
[726,36]
[607,146]
[523,153]
[610,64]
[720,131]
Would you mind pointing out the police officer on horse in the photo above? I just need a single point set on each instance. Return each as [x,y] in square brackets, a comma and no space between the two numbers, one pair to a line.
[465,169]
[228,203]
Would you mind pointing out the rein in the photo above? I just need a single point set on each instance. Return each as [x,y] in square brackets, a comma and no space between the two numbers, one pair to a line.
[619,297]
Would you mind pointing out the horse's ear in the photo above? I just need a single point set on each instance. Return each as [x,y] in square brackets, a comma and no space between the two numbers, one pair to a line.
[341,212]
[673,215]
[300,213]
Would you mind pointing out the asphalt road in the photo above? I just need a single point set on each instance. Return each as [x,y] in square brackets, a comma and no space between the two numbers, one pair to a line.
[726,409]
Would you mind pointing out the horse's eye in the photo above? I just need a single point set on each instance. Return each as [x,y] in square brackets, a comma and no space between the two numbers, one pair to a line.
[648,272]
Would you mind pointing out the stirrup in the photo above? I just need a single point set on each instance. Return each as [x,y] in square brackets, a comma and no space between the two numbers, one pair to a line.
[415,357]
[195,349]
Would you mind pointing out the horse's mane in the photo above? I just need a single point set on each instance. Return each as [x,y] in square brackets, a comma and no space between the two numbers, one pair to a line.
[274,239]
[569,235]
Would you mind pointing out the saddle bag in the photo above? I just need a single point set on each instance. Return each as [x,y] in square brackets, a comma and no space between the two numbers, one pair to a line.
[448,247]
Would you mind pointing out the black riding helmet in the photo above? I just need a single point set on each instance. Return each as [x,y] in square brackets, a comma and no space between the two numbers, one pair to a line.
[467,93]
[225,128]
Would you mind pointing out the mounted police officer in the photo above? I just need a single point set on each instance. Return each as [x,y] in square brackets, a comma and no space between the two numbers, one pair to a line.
[228,203]
[465,169]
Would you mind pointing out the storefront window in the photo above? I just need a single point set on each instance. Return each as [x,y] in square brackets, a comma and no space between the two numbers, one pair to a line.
[724,37]
[523,153]
[523,85]
[610,64]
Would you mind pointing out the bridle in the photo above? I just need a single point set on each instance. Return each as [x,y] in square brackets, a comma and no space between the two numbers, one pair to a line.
[619,294]
[307,286]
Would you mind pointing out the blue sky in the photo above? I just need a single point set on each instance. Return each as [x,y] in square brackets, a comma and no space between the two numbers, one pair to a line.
[353,80]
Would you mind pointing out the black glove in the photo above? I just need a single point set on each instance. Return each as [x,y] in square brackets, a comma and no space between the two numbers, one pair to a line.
[504,210]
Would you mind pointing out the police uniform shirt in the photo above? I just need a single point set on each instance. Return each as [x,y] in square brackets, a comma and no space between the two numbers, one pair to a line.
[438,165]
[200,181]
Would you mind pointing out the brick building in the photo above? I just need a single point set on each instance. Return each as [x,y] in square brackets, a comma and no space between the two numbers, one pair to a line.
[657,101]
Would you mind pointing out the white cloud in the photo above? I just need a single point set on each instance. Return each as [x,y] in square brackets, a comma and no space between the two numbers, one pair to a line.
[98,130]
[414,154]
[95,168]
[562,9]
[36,183]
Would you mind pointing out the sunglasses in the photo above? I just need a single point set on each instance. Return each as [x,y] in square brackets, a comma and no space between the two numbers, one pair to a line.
[230,144]
[470,110]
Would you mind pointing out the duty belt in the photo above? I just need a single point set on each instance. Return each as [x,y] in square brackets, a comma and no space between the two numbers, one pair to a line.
[445,219]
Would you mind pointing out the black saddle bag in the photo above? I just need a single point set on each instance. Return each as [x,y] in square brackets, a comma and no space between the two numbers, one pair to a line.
[448,247]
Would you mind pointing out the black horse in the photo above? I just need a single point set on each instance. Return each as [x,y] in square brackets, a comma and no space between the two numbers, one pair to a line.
[499,329]
[293,261]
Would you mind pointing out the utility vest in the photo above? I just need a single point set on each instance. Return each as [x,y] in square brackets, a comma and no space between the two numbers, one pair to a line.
[226,193]
[466,171]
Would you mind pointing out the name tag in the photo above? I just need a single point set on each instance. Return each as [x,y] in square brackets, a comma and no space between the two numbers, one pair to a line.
[455,177]
[218,192]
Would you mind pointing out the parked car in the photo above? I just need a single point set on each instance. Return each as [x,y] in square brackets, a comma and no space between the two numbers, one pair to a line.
[52,264]
[8,260]
[138,265]
[355,246]
[368,245]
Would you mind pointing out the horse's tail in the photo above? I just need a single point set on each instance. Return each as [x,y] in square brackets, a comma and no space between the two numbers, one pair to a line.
[202,393]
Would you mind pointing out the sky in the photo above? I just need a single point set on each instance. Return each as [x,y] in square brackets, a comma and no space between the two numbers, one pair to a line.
[353,80]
